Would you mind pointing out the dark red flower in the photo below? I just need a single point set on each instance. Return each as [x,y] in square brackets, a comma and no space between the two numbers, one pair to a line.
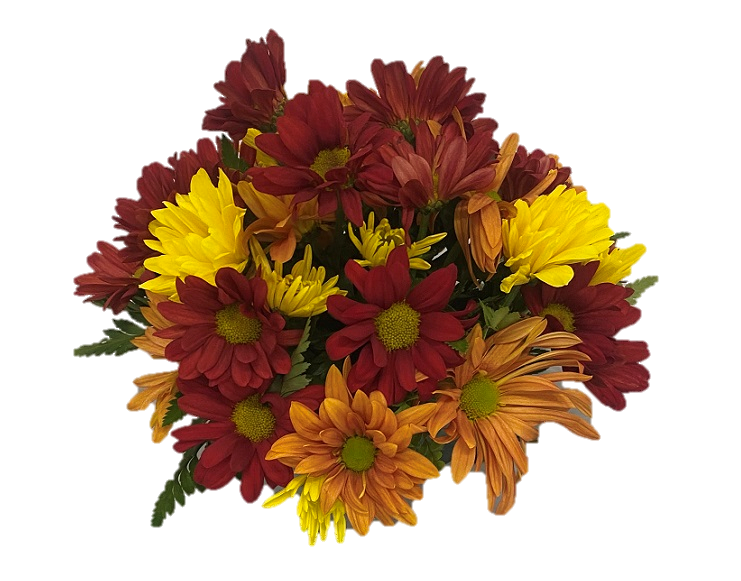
[595,314]
[227,333]
[405,99]
[399,331]
[239,434]
[527,172]
[159,184]
[323,156]
[253,93]
[112,279]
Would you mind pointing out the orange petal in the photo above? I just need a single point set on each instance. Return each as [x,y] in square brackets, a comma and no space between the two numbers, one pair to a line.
[335,386]
[461,460]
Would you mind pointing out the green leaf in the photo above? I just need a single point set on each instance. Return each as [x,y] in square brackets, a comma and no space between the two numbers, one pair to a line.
[176,489]
[117,341]
[296,378]
[230,156]
[499,319]
[461,345]
[619,235]
[174,413]
[430,449]
[639,286]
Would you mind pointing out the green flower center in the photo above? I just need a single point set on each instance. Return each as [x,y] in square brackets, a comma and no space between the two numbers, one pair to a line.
[479,397]
[235,327]
[398,326]
[253,420]
[358,453]
[562,314]
[328,159]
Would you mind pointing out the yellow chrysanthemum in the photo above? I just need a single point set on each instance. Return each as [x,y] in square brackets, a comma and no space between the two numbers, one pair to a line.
[557,230]
[197,235]
[377,242]
[314,520]
[615,264]
[303,292]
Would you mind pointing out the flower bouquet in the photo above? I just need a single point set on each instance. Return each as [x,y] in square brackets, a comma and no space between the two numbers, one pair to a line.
[356,289]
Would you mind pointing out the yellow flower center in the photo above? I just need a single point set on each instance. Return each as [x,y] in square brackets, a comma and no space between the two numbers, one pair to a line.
[398,326]
[235,327]
[358,453]
[328,159]
[562,314]
[479,397]
[253,420]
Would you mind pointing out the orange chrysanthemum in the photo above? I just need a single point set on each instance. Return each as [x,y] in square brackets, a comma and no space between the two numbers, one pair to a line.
[362,448]
[493,404]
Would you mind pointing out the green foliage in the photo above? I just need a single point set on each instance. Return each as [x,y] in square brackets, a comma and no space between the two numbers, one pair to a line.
[296,378]
[499,319]
[639,286]
[230,156]
[116,342]
[430,449]
[174,413]
[461,345]
[619,235]
[176,489]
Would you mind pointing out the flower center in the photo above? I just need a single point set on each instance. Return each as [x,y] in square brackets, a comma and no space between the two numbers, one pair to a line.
[328,159]
[562,314]
[253,420]
[398,326]
[358,453]
[235,327]
[479,397]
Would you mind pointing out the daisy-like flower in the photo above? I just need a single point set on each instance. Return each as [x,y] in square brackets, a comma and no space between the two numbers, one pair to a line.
[615,264]
[376,243]
[556,231]
[323,156]
[279,221]
[239,433]
[400,331]
[112,280]
[252,91]
[595,314]
[492,404]
[405,99]
[227,333]
[362,448]
[303,292]
[197,235]
[312,518]
[531,175]
[157,388]
[159,184]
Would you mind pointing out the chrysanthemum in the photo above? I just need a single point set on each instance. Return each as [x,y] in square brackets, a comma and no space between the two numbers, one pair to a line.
[615,264]
[556,231]
[312,518]
[303,292]
[595,314]
[376,243]
[531,175]
[492,404]
[362,448]
[197,235]
[323,156]
[158,388]
[401,330]
[239,433]
[112,280]
[159,184]
[227,333]
[253,93]
[404,99]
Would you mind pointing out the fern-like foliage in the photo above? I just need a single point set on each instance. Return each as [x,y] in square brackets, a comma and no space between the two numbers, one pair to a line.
[182,484]
[117,341]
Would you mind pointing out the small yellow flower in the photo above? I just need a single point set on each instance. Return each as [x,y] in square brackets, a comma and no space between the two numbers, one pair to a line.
[557,230]
[615,264]
[377,242]
[313,519]
[303,292]
[197,235]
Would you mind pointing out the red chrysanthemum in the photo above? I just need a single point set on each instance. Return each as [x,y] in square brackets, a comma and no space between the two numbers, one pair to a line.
[399,330]
[405,99]
[253,93]
[227,333]
[323,156]
[112,279]
[595,314]
[440,168]
[527,173]
[159,184]
[239,434]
